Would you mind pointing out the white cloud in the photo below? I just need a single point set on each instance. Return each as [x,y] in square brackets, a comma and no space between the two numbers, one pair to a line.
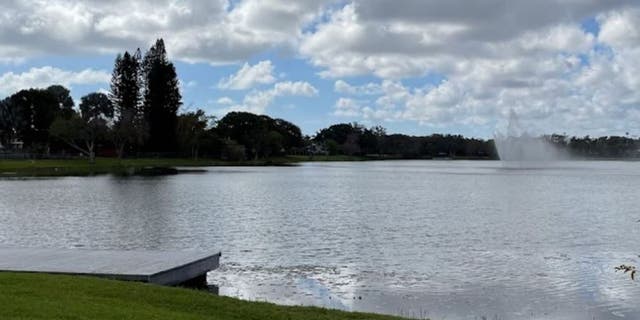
[556,95]
[620,28]
[341,86]
[297,88]
[249,76]
[346,107]
[43,77]
[559,38]
[361,109]
[194,30]
[532,57]
[418,37]
[225,101]
[187,85]
[258,101]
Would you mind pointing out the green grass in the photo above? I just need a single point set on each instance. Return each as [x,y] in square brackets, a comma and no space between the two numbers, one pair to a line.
[323,158]
[40,296]
[82,167]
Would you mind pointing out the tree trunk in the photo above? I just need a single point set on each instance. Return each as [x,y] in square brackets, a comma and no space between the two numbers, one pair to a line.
[120,150]
[91,153]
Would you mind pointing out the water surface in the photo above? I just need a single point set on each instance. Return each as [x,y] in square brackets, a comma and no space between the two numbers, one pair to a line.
[438,239]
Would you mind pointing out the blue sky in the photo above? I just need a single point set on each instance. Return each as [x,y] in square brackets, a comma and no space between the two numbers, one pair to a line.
[419,67]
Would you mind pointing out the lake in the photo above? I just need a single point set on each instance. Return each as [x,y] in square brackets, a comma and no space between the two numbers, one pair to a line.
[438,239]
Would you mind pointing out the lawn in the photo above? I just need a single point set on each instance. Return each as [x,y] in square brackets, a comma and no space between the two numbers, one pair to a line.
[40,296]
[82,167]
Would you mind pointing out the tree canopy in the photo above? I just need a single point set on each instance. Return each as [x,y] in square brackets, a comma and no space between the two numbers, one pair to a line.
[261,135]
[162,98]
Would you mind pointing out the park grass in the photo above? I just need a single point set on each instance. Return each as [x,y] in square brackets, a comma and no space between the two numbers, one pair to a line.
[325,158]
[135,166]
[82,167]
[41,296]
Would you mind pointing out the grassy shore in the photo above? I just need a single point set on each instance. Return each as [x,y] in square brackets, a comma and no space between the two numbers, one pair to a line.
[39,296]
[82,167]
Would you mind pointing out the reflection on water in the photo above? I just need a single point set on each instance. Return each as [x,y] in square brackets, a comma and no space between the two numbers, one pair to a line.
[439,239]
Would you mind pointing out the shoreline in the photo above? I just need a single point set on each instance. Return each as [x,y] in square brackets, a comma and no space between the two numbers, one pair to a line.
[157,166]
[24,168]
[29,296]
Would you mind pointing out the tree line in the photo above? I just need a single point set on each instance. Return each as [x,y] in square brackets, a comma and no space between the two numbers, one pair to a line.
[139,113]
[607,147]
[140,116]
[355,139]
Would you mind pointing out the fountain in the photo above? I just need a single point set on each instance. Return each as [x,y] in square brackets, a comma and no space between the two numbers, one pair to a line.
[517,146]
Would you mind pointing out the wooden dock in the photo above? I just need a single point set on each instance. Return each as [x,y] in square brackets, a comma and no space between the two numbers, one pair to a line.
[158,267]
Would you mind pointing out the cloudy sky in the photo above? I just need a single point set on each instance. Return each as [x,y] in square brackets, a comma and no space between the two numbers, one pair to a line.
[413,66]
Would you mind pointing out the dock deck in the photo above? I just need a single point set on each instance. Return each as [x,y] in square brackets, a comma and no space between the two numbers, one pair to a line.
[158,267]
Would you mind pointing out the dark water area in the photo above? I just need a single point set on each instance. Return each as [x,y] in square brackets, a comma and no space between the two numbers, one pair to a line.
[438,239]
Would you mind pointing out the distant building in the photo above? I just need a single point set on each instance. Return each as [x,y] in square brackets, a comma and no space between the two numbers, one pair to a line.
[442,156]
[316,149]
[13,144]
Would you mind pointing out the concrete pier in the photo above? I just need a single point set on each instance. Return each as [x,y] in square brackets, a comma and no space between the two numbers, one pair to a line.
[158,267]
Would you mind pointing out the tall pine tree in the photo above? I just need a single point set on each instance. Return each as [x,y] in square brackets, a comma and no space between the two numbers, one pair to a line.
[129,129]
[162,99]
